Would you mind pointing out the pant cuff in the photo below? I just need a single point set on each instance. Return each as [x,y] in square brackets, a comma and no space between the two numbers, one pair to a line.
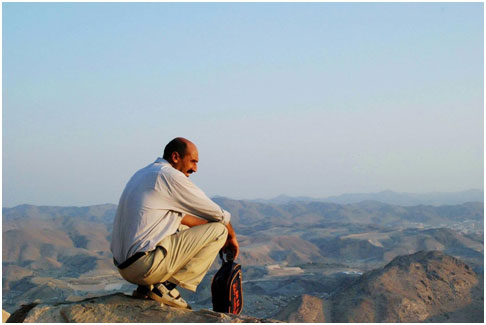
[188,286]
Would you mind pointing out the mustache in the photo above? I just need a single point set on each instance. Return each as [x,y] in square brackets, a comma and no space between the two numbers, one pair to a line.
[190,171]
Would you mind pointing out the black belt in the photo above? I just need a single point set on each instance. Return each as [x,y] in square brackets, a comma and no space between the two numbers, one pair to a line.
[132,259]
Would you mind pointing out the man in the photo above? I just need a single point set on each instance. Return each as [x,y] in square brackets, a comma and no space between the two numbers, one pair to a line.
[167,232]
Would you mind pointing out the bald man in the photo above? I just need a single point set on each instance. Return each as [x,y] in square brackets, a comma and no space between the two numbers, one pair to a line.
[167,232]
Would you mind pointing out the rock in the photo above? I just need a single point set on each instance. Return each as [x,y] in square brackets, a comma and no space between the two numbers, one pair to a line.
[120,308]
[424,286]
[5,316]
[303,309]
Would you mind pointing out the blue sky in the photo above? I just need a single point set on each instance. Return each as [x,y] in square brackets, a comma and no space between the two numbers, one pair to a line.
[312,99]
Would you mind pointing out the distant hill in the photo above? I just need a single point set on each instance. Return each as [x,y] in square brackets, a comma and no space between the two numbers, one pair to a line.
[389,197]
[98,213]
[51,239]
[265,215]
[42,244]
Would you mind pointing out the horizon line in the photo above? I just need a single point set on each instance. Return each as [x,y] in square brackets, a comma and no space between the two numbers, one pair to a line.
[260,199]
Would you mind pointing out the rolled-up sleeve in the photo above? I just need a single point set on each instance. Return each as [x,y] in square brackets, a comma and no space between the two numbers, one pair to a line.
[226,217]
[190,199]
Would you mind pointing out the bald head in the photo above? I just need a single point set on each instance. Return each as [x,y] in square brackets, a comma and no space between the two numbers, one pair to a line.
[178,145]
[182,154]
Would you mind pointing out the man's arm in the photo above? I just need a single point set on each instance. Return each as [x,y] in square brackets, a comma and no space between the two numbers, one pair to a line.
[231,242]
[187,198]
[192,221]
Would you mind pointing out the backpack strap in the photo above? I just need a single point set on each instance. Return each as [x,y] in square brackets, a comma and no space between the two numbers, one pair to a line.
[229,257]
[221,255]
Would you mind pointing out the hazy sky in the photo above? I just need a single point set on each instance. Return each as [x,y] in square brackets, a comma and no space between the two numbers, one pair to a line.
[312,99]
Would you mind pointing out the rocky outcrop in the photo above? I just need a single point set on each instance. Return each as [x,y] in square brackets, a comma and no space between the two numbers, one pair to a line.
[424,286]
[303,309]
[120,308]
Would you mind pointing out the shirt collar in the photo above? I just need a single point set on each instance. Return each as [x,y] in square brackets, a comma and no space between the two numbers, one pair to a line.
[161,160]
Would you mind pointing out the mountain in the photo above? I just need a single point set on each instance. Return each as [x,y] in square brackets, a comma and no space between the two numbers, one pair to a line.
[102,212]
[46,249]
[60,244]
[262,216]
[287,250]
[383,245]
[422,287]
[425,286]
[389,197]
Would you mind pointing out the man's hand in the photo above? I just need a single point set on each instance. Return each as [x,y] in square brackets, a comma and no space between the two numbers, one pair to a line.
[231,244]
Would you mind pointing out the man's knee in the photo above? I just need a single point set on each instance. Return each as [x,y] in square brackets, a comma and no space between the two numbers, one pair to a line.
[221,227]
[220,230]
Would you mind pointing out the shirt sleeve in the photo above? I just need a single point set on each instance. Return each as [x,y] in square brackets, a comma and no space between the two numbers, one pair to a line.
[190,199]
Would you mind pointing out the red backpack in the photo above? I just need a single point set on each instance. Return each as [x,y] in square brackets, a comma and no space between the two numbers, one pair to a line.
[226,287]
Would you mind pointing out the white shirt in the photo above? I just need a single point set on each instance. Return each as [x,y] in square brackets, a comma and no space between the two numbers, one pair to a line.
[151,208]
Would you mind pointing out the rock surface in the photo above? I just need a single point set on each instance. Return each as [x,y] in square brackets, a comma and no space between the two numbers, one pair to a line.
[120,308]
[425,286]
[303,309]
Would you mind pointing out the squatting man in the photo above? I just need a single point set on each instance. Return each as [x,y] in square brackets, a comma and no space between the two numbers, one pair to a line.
[167,232]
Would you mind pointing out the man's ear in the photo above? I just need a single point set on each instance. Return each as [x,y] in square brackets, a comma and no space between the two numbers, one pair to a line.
[175,157]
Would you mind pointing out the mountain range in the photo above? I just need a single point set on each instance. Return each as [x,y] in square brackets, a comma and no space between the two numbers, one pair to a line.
[287,250]
[390,197]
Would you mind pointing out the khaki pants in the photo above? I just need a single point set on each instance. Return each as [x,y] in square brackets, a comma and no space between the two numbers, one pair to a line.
[182,258]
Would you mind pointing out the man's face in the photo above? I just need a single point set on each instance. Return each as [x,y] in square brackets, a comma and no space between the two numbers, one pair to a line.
[187,164]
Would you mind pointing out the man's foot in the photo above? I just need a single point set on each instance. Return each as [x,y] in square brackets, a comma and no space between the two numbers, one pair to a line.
[141,292]
[172,297]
